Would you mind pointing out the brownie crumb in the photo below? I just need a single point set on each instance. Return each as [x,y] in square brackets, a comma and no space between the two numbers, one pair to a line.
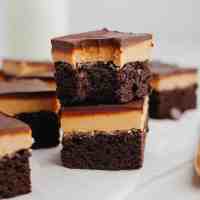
[101,83]
[119,150]
[15,175]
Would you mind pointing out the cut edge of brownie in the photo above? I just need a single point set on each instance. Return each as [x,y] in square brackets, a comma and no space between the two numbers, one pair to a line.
[120,150]
[45,126]
[171,104]
[15,174]
[101,83]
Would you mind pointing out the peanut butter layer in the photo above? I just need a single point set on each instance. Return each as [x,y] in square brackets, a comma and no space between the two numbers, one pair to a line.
[169,77]
[24,68]
[102,45]
[105,118]
[13,105]
[14,135]
[20,96]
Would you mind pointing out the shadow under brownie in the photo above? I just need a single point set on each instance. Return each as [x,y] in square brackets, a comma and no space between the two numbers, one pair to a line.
[173,90]
[102,67]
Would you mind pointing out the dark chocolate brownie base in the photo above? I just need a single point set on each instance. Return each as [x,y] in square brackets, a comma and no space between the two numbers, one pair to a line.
[118,151]
[45,127]
[15,175]
[170,104]
[101,83]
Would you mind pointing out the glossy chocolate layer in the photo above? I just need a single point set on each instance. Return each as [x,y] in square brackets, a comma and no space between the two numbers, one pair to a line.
[97,38]
[25,86]
[10,125]
[164,69]
[81,110]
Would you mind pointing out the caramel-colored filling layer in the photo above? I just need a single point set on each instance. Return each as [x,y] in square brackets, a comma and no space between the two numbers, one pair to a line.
[197,161]
[16,105]
[104,121]
[51,84]
[25,68]
[11,143]
[177,81]
[119,56]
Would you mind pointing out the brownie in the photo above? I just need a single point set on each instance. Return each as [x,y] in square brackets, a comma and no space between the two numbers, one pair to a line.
[170,104]
[35,103]
[15,174]
[101,83]
[173,90]
[45,126]
[100,150]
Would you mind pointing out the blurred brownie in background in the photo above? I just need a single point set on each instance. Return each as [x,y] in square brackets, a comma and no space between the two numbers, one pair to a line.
[15,144]
[173,90]
[23,69]
[35,103]
[102,67]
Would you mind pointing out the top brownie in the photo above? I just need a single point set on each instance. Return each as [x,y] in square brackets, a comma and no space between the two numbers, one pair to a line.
[102,66]
[102,45]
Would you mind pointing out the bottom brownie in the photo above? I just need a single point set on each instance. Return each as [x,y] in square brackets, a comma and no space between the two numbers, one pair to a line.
[45,127]
[15,175]
[104,151]
[170,104]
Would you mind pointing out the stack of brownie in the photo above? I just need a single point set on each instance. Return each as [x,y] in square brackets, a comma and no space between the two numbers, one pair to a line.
[102,82]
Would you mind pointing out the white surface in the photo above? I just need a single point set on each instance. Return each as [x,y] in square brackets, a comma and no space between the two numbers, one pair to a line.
[167,173]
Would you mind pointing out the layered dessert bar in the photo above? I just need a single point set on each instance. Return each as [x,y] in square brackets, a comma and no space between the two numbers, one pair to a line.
[15,144]
[102,67]
[23,69]
[173,90]
[107,137]
[35,103]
